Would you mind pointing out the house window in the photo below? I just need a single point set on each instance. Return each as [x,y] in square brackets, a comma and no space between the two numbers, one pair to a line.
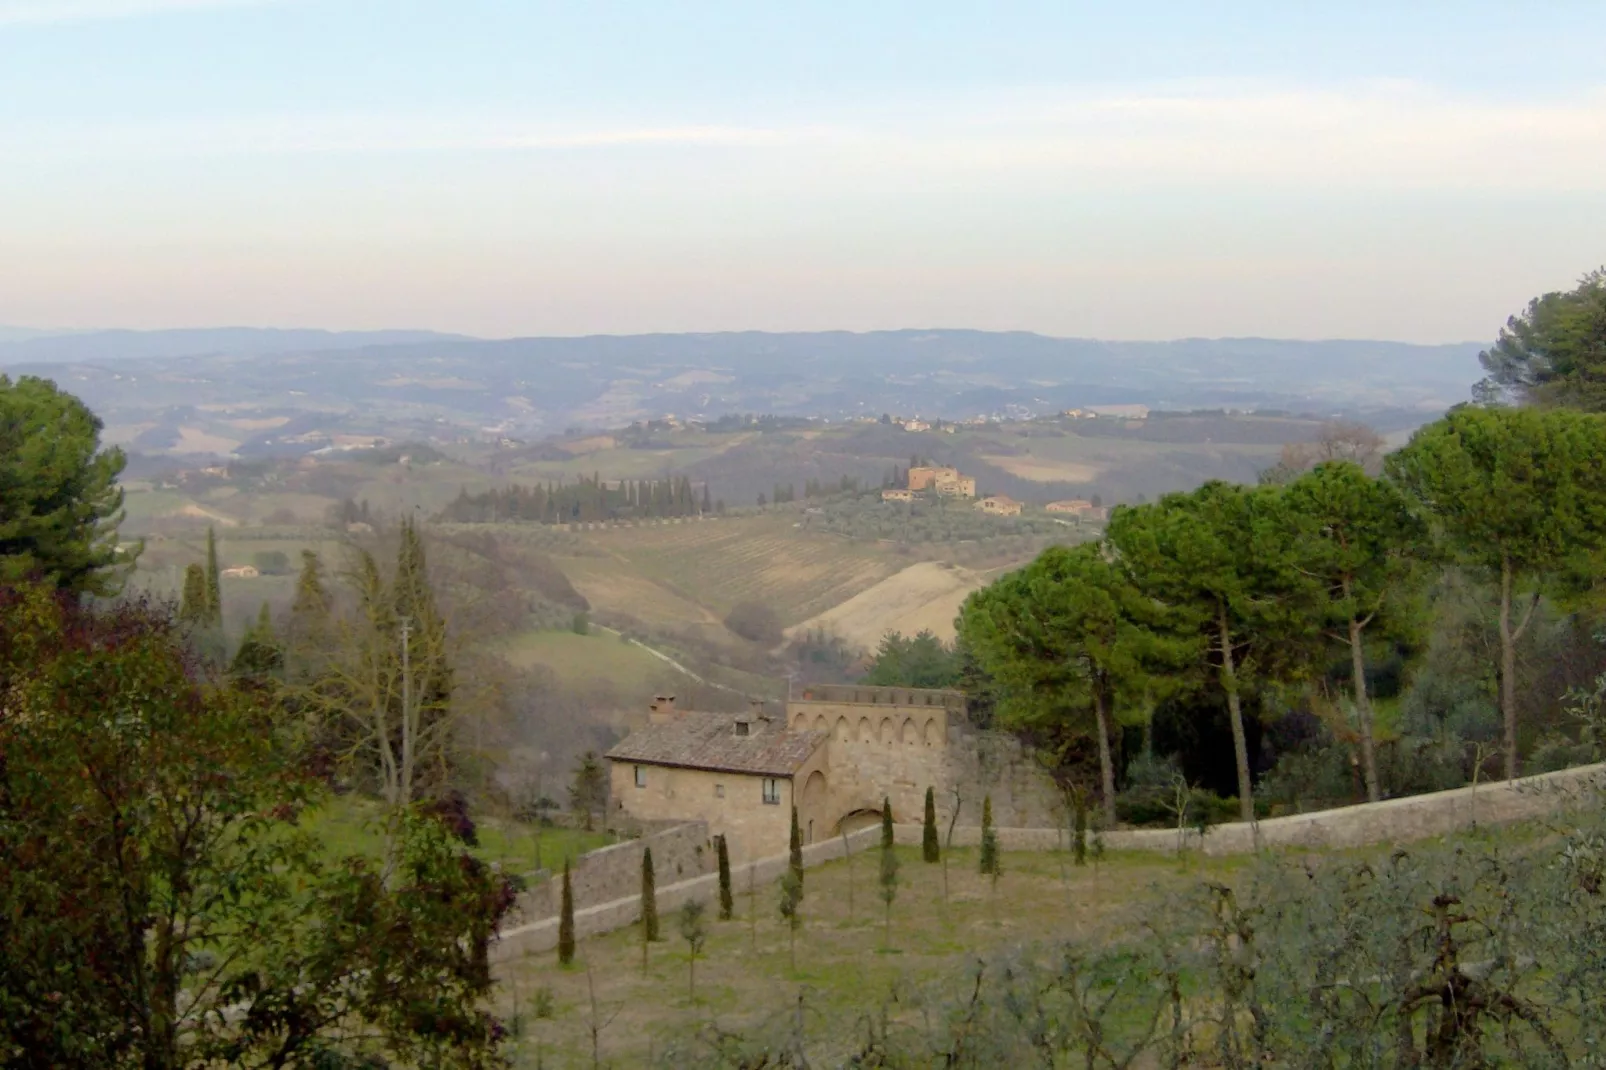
[719,791]
[641,777]
[772,791]
[741,728]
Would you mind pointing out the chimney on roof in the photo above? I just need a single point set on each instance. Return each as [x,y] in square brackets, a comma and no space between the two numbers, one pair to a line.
[757,709]
[662,710]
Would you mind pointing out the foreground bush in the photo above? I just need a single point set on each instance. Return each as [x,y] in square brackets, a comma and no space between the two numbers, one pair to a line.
[161,907]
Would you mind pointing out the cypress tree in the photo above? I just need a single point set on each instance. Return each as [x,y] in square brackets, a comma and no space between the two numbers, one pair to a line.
[214,589]
[566,920]
[990,865]
[727,904]
[929,848]
[193,609]
[889,865]
[649,899]
[795,853]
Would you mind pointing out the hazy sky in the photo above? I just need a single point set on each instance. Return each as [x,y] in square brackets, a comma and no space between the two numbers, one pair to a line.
[1411,170]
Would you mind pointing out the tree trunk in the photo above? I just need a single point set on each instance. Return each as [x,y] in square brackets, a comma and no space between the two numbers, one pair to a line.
[1508,670]
[1363,711]
[1240,744]
[1106,761]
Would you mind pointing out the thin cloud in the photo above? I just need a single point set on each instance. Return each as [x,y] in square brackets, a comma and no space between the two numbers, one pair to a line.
[40,12]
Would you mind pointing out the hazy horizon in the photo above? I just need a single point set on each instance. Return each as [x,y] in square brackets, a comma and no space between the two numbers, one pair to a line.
[545,170]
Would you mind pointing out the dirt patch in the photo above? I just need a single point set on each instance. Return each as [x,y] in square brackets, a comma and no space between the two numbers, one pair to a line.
[1045,470]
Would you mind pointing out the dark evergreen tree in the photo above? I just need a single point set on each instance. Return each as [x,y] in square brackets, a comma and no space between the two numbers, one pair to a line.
[649,898]
[990,863]
[214,589]
[930,849]
[889,864]
[566,920]
[727,903]
[192,609]
[795,851]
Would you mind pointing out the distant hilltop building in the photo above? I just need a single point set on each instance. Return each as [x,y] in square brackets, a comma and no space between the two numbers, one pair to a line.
[916,425]
[949,482]
[1000,505]
[835,754]
[897,494]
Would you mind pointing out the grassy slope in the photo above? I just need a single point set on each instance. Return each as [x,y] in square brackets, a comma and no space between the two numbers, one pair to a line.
[845,966]
[575,659]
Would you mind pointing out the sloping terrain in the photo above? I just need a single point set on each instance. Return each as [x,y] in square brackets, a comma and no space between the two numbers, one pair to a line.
[923,597]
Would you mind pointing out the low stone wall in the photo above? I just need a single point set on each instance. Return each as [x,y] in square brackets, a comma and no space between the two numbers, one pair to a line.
[528,936]
[1415,817]
[615,900]
[679,852]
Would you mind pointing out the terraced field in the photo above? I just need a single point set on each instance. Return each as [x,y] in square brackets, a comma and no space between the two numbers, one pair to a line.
[717,564]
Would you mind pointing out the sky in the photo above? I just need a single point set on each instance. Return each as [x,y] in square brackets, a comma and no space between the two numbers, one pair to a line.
[1413,171]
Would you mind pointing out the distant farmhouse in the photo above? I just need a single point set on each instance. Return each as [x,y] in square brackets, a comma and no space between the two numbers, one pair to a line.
[1078,507]
[835,754]
[897,494]
[1000,505]
[948,482]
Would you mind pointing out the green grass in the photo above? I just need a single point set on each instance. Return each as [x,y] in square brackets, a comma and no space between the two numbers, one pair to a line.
[846,963]
[346,825]
[576,659]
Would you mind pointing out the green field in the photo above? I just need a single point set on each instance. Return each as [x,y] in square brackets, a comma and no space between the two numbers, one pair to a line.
[346,826]
[580,659]
[846,963]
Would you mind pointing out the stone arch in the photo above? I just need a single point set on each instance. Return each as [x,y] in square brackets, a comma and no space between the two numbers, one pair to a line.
[842,731]
[814,790]
[801,722]
[933,733]
[862,817]
[820,724]
[866,731]
[887,731]
[910,734]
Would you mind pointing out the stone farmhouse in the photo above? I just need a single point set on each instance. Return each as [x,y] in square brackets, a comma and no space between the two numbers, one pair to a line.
[1000,505]
[835,754]
[949,482]
[897,494]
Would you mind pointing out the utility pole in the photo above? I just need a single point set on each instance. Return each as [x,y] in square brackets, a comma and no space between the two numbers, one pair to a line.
[406,785]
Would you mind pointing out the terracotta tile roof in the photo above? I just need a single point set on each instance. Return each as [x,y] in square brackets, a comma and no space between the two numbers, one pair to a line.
[709,741]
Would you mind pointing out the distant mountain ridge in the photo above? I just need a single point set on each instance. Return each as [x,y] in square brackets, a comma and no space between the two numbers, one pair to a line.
[28,346]
[270,391]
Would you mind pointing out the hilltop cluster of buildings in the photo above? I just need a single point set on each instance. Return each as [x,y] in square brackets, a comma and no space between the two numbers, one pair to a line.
[947,482]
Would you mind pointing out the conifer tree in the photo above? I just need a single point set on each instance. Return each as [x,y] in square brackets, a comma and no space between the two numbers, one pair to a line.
[929,847]
[193,608]
[727,904]
[566,920]
[990,864]
[795,852]
[791,908]
[649,899]
[889,864]
[214,588]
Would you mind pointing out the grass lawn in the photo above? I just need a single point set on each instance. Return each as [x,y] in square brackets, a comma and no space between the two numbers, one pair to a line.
[346,826]
[848,964]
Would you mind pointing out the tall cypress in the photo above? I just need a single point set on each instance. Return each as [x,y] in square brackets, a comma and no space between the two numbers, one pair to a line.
[214,589]
[795,853]
[989,863]
[566,920]
[889,865]
[194,608]
[929,849]
[649,898]
[727,904]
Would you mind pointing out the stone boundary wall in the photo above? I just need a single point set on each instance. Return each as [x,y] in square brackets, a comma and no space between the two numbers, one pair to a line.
[679,852]
[1414,817]
[1393,820]
[528,937]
